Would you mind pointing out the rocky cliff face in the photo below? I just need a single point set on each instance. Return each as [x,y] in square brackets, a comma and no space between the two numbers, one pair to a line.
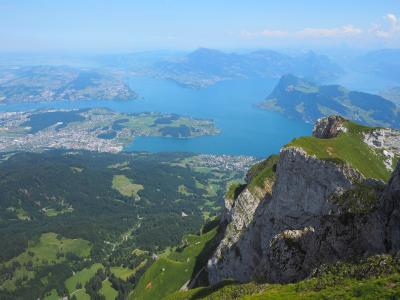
[329,127]
[387,140]
[319,212]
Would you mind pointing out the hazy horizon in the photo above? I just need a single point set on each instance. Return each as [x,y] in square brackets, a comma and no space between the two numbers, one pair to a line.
[129,26]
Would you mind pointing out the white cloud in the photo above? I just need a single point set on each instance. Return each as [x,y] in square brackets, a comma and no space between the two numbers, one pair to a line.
[347,30]
[393,21]
[389,28]
[351,30]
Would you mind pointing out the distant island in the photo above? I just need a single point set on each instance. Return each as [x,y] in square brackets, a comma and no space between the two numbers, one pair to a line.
[60,83]
[95,129]
[302,99]
[204,67]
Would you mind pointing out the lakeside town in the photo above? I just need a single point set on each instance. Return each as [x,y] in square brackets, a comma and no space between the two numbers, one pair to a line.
[99,130]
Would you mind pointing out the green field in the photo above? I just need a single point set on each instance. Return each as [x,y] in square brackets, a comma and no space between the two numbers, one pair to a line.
[122,273]
[107,290]
[168,274]
[125,186]
[52,296]
[52,212]
[81,277]
[50,249]
[182,189]
[347,147]
[22,214]
[81,294]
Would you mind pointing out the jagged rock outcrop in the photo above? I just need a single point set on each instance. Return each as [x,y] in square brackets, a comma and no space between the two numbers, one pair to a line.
[319,211]
[387,140]
[326,128]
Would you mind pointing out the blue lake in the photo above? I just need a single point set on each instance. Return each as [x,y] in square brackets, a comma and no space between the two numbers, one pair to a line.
[244,129]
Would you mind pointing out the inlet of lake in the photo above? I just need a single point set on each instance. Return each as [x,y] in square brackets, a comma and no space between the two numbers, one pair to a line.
[245,129]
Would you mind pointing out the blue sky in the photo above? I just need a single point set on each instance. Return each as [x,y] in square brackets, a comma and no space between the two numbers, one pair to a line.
[88,25]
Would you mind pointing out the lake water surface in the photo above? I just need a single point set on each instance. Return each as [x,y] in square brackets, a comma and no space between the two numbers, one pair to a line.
[245,130]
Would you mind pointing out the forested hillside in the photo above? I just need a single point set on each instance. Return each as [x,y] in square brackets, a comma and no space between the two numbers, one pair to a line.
[66,215]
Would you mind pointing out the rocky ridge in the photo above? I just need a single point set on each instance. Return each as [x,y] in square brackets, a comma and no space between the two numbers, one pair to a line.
[318,212]
[387,140]
[326,128]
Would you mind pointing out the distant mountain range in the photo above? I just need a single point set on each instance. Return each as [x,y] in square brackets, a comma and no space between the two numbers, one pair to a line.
[57,83]
[204,67]
[303,99]
[383,62]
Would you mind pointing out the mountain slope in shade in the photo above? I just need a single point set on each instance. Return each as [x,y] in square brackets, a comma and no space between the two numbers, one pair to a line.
[302,99]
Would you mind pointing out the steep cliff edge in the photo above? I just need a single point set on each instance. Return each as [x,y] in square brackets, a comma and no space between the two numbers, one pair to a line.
[324,199]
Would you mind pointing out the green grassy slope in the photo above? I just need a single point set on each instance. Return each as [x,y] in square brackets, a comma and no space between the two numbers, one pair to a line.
[347,147]
[375,277]
[122,273]
[81,277]
[50,249]
[107,290]
[387,287]
[262,171]
[125,186]
[168,274]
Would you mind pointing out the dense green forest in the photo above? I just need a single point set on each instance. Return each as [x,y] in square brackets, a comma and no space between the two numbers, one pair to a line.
[88,224]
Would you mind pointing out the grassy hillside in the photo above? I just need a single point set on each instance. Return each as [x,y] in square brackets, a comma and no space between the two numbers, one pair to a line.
[376,277]
[372,289]
[262,172]
[122,273]
[107,290]
[347,147]
[125,186]
[59,214]
[170,272]
[50,250]
[81,277]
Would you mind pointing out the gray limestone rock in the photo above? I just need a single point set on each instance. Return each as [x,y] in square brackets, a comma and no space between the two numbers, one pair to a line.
[329,127]
[283,237]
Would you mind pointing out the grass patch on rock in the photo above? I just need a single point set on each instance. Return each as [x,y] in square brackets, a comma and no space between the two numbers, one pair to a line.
[347,147]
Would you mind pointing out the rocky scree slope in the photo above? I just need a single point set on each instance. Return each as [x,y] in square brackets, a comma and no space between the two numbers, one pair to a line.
[313,205]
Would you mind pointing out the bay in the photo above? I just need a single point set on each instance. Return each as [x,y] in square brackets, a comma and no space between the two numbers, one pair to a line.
[245,129]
